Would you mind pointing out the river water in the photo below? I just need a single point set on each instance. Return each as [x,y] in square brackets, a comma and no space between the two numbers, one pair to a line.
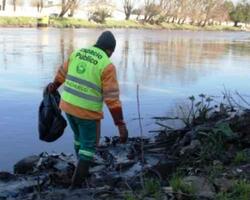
[168,66]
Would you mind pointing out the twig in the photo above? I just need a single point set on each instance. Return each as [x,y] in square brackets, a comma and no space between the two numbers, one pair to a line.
[165,118]
[141,131]
[244,100]
[163,125]
[237,104]
[227,96]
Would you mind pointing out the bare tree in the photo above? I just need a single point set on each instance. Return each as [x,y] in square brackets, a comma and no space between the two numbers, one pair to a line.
[128,7]
[151,10]
[210,7]
[138,12]
[69,5]
[16,3]
[74,7]
[39,4]
[3,4]
[99,10]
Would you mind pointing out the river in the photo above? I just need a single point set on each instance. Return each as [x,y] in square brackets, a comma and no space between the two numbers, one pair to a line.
[168,66]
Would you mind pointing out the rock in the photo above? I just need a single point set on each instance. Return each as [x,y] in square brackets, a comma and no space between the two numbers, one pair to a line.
[188,137]
[217,163]
[124,165]
[63,166]
[202,187]
[246,140]
[153,159]
[166,167]
[223,184]
[240,124]
[247,152]
[239,170]
[6,177]
[192,148]
[26,165]
[132,172]
[13,189]
[61,179]
[97,169]
[168,190]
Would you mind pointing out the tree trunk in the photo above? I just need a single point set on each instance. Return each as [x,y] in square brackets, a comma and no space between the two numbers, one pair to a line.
[236,24]
[14,5]
[204,24]
[127,16]
[200,23]
[41,5]
[71,12]
[3,4]
[65,8]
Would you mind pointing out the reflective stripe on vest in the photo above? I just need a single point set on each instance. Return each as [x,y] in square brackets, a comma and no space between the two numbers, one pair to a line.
[77,143]
[84,82]
[86,153]
[82,86]
[82,95]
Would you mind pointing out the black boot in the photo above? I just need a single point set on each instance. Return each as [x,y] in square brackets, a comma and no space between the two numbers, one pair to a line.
[80,174]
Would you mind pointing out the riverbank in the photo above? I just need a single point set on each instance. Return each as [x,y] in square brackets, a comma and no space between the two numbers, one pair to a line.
[209,158]
[80,23]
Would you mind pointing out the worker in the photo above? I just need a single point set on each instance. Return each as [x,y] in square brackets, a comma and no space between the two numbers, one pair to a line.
[89,79]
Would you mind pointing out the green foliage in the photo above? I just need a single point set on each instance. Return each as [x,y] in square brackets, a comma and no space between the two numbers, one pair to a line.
[240,157]
[240,13]
[152,187]
[178,185]
[213,142]
[240,191]
[100,15]
[198,111]
[214,171]
[130,196]
[223,196]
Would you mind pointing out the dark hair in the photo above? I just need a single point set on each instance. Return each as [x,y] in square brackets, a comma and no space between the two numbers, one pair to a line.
[106,41]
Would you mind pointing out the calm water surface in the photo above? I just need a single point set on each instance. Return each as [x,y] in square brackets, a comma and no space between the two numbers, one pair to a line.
[169,66]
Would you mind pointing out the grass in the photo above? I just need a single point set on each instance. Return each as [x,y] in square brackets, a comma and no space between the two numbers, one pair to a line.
[110,23]
[70,23]
[151,189]
[240,191]
[178,185]
[240,157]
[18,21]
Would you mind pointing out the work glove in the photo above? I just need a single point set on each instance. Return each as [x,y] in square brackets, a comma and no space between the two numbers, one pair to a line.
[52,87]
[123,131]
[119,122]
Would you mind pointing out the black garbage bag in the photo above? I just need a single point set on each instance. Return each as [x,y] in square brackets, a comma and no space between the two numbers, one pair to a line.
[51,122]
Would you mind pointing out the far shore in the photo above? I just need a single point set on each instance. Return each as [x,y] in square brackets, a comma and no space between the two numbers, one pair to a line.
[25,22]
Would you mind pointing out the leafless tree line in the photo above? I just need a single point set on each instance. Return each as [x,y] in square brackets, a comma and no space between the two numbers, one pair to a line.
[199,12]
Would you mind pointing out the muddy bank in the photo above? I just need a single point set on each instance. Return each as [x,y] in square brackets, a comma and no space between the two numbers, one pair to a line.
[209,158]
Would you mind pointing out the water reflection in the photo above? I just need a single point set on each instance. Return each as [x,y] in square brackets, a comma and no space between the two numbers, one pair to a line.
[168,66]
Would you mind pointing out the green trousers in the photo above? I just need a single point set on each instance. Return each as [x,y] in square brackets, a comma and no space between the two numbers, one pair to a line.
[85,132]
